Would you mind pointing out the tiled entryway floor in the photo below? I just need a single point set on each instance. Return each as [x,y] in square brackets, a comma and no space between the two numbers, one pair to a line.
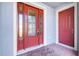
[51,50]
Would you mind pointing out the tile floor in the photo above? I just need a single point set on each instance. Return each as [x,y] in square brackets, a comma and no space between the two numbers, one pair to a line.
[51,50]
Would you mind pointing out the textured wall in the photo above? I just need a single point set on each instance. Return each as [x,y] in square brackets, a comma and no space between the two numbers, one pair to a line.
[6,28]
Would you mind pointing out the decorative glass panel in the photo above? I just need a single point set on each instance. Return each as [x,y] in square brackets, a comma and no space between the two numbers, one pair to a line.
[21,7]
[33,19]
[31,23]
[30,18]
[20,25]
[32,12]
[40,20]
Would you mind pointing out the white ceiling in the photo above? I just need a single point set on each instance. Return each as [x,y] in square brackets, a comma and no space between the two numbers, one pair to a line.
[55,4]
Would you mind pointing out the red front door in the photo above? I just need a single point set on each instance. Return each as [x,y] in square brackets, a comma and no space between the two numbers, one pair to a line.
[66,27]
[32,22]
[30,26]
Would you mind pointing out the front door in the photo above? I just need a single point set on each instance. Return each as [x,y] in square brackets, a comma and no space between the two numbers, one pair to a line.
[30,26]
[32,22]
[66,27]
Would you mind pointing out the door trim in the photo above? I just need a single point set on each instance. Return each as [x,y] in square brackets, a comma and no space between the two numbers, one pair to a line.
[75,24]
[29,49]
[15,28]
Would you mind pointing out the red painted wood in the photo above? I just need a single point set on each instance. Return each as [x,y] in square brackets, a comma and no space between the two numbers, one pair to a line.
[33,40]
[66,27]
[25,26]
[41,34]
[29,41]
[19,41]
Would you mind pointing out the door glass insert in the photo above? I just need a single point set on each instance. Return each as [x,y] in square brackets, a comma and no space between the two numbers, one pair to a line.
[31,23]
[21,8]
[40,23]
[20,25]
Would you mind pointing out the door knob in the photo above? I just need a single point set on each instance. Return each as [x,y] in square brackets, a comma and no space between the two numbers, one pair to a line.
[38,32]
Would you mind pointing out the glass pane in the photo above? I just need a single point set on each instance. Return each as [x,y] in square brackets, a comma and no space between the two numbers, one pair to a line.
[20,25]
[40,17]
[31,23]
[41,28]
[32,12]
[33,18]
[21,8]
[34,31]
[30,32]
[30,27]
[30,18]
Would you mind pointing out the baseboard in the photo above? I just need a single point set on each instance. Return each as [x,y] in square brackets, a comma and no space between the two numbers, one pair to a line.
[29,49]
[66,46]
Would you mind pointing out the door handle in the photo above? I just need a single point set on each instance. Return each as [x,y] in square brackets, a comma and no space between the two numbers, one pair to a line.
[38,32]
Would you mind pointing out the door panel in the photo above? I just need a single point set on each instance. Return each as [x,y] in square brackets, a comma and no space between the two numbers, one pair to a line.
[32,26]
[66,27]
[20,26]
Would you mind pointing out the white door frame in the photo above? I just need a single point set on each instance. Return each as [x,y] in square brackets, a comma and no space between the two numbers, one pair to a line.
[75,24]
[15,29]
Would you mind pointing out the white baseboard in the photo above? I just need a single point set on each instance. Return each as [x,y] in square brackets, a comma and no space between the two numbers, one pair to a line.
[32,48]
[66,46]
[29,49]
[39,46]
